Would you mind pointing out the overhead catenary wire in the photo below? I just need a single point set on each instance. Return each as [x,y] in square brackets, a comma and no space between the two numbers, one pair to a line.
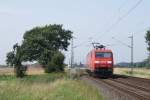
[115,24]
[120,19]
[114,14]
[119,41]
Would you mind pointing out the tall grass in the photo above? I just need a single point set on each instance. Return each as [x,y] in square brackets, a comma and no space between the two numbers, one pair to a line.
[55,86]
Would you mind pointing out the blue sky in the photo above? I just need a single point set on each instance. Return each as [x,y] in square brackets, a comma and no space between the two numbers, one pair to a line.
[88,19]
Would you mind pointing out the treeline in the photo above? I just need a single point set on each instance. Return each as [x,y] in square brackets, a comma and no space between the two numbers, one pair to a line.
[145,64]
[3,66]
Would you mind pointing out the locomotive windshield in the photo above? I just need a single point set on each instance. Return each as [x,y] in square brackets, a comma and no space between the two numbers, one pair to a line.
[103,54]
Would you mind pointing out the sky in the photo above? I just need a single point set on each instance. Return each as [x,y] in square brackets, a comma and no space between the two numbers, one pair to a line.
[90,21]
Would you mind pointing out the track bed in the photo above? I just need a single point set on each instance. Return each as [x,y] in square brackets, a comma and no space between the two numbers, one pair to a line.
[120,87]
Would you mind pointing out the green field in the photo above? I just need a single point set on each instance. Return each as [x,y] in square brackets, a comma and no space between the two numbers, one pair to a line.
[137,72]
[56,86]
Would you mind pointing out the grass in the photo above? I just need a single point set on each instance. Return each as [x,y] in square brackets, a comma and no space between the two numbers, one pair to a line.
[55,86]
[137,72]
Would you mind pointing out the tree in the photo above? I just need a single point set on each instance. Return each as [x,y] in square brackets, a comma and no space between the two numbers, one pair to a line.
[10,58]
[147,37]
[15,58]
[41,43]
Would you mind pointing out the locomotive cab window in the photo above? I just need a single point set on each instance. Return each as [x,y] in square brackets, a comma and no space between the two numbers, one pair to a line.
[103,54]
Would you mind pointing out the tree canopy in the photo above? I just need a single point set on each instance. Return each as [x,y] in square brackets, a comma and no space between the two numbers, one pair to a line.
[40,44]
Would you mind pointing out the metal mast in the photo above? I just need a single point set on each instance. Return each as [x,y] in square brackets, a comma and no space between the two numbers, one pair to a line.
[132,54]
[72,53]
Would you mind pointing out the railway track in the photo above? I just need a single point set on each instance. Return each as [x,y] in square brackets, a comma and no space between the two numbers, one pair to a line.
[141,83]
[132,85]
[126,86]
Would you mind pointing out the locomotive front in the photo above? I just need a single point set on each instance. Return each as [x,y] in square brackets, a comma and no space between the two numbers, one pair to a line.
[103,62]
[100,60]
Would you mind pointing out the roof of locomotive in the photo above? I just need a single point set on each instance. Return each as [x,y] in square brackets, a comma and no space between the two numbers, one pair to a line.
[101,50]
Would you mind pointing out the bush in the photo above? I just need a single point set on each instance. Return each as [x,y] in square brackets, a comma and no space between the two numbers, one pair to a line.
[56,64]
[50,67]
[58,59]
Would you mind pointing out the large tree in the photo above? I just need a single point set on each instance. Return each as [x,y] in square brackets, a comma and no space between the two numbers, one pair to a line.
[41,43]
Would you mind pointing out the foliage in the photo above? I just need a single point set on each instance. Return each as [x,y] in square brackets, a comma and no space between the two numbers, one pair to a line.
[147,37]
[51,67]
[145,63]
[40,44]
[15,58]
[10,58]
[56,63]
[58,59]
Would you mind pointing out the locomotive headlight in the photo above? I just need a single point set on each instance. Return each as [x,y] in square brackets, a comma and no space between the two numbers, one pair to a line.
[109,62]
[97,62]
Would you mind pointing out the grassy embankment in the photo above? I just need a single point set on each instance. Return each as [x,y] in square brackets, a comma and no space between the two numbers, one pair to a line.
[55,86]
[137,72]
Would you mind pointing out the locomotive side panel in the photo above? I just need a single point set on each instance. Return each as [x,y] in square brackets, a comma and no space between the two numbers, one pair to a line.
[90,60]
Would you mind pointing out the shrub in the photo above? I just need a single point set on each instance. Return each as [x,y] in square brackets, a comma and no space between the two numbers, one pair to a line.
[56,64]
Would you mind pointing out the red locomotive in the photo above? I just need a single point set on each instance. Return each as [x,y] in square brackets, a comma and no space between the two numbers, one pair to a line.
[100,61]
